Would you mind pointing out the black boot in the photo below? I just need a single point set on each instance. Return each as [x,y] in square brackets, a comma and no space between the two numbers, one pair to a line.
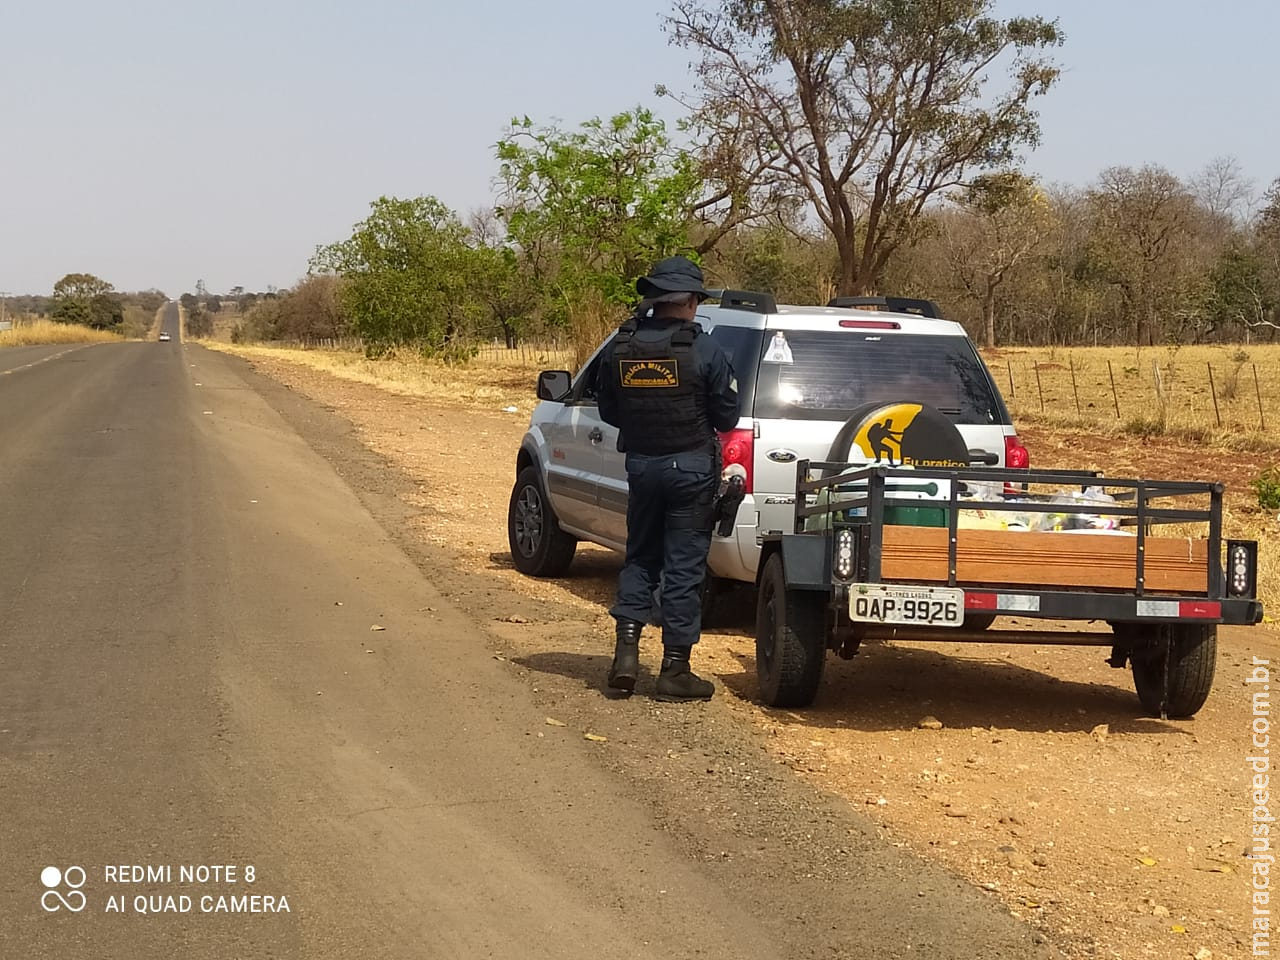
[626,656]
[677,683]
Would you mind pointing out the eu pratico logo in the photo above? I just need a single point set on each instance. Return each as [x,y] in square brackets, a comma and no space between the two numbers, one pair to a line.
[54,899]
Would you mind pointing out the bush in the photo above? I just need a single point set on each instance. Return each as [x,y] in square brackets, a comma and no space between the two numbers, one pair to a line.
[1146,426]
[1267,487]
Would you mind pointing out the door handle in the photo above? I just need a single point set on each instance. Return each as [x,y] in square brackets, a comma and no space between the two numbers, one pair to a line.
[596,435]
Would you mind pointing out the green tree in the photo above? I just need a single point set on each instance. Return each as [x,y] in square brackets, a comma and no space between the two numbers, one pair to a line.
[85,299]
[405,270]
[1240,294]
[589,211]
[871,107]
[106,311]
[501,285]
[1267,248]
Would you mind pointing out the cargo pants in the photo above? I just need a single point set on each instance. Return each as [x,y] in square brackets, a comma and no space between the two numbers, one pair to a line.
[669,507]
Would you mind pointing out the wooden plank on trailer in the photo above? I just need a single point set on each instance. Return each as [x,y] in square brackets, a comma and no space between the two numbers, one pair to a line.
[1173,564]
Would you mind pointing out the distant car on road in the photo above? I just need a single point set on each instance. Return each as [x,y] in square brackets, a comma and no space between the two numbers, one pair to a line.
[164,338]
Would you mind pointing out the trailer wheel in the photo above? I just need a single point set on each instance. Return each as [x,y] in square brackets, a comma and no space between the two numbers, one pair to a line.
[979,621]
[1190,652]
[539,547]
[790,639]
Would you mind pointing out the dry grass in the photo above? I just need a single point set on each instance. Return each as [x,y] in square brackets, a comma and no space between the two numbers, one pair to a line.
[1153,391]
[502,380]
[28,333]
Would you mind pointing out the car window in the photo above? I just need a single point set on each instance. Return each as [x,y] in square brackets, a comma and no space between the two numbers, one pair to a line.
[585,383]
[819,375]
[742,345]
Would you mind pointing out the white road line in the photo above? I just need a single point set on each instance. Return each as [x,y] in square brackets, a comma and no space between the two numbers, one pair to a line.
[53,356]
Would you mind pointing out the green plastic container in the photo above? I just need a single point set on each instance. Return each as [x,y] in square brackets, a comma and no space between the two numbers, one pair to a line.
[922,516]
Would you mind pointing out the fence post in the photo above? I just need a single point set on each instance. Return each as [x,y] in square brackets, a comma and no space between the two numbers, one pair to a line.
[1072,366]
[1013,394]
[1114,397]
[1039,386]
[1213,392]
[1262,420]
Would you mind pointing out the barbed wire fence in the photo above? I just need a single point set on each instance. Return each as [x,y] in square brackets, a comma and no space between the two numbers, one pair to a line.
[1234,393]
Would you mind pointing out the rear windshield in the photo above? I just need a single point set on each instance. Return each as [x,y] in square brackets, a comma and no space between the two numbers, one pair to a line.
[818,375]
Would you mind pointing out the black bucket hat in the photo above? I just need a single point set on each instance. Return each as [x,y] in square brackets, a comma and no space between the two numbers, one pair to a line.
[672,275]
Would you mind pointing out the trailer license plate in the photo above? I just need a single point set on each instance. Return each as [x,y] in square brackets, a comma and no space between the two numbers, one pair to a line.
[893,603]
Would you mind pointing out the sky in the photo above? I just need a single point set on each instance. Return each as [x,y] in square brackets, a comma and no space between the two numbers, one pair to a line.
[156,144]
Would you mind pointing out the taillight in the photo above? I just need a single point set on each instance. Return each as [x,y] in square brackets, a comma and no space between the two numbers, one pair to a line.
[1016,456]
[738,446]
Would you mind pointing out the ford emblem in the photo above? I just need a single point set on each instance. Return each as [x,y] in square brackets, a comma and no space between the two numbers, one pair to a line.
[782,456]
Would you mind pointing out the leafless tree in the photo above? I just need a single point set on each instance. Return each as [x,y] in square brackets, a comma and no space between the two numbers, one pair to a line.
[1223,190]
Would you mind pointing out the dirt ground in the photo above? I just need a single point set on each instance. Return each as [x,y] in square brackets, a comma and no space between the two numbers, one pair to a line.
[1028,771]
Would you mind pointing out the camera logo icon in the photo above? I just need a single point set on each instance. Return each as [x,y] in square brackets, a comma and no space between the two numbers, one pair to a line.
[53,899]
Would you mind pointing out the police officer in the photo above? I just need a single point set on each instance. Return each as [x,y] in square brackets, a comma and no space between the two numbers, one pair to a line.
[668,388]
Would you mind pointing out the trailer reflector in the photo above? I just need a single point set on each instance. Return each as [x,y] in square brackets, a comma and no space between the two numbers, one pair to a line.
[1206,609]
[1181,609]
[1006,602]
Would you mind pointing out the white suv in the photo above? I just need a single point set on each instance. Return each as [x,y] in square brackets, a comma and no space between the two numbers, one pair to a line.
[803,372]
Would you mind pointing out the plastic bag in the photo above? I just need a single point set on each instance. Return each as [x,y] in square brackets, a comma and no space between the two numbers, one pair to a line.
[1078,521]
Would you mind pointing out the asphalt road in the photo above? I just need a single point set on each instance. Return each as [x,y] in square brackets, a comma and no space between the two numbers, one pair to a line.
[190,678]
[16,359]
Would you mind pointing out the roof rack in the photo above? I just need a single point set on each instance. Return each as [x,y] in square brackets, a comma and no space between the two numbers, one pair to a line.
[749,300]
[923,308]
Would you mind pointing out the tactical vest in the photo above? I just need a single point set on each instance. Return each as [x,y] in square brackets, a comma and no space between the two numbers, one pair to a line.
[662,391]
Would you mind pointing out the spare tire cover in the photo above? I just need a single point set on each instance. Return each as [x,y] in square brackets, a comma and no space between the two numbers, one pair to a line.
[901,434]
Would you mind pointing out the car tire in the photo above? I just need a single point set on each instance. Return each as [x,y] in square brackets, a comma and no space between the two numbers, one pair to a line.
[790,639]
[539,548]
[1191,653]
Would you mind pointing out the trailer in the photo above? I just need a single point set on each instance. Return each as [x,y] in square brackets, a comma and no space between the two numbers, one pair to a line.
[886,553]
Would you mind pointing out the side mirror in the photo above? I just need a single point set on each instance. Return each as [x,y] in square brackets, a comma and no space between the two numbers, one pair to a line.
[554,385]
